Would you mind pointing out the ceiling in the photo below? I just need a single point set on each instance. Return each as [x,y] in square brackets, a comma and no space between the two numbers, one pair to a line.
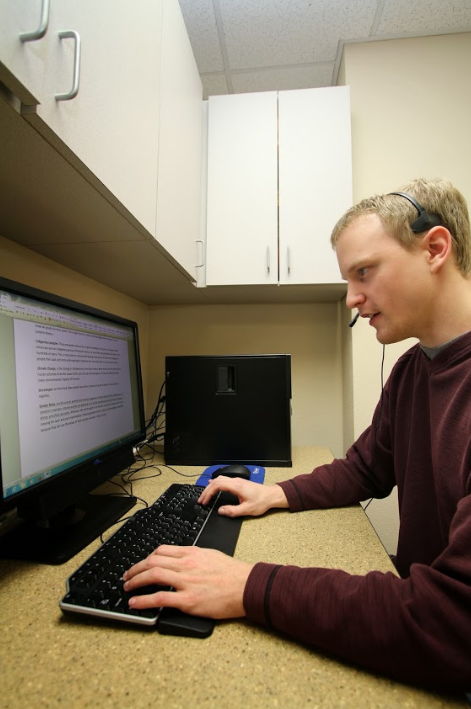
[242,46]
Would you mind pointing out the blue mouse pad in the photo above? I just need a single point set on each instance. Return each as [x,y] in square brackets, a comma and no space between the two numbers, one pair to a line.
[257,474]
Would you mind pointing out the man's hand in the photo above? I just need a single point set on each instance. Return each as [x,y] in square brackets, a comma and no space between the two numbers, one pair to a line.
[254,499]
[207,583]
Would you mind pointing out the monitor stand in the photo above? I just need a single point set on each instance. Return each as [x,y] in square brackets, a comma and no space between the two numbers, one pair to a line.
[58,543]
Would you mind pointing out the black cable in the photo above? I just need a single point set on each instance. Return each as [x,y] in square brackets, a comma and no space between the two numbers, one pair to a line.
[126,493]
[146,477]
[378,419]
[160,400]
[153,448]
[183,475]
[382,372]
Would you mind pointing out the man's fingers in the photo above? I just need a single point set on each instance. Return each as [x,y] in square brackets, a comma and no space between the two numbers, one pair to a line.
[165,556]
[156,575]
[160,599]
[220,484]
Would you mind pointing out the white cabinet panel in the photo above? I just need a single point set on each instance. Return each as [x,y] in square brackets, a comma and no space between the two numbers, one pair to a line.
[112,124]
[22,63]
[180,145]
[242,229]
[315,185]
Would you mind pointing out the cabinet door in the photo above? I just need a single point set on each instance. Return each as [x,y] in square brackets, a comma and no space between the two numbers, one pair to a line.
[242,229]
[180,145]
[112,124]
[23,61]
[315,181]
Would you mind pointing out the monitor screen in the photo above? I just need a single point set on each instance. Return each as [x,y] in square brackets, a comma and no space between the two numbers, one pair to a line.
[71,411]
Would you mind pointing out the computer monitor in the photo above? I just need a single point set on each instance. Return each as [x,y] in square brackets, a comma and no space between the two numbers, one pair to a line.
[71,412]
[228,409]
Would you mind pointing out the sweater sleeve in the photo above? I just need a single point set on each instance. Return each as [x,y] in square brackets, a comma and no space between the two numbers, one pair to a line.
[366,471]
[415,630]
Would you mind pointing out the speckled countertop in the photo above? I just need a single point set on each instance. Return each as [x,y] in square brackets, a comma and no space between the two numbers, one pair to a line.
[48,660]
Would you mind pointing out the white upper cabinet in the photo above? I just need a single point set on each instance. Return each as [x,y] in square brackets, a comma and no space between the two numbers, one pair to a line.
[279,177]
[113,87]
[315,181]
[242,229]
[180,146]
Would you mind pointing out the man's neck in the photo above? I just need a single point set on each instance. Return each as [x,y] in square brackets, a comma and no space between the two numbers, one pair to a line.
[451,316]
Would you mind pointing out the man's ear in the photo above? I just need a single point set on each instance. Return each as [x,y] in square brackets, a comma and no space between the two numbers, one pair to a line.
[437,241]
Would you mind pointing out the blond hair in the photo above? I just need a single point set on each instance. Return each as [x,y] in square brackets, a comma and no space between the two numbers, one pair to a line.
[436,196]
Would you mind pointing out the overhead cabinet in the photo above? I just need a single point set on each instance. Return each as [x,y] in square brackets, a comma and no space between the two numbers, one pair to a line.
[111,125]
[279,177]
[106,84]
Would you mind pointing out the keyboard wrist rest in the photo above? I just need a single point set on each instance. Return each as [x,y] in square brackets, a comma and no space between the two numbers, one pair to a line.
[219,533]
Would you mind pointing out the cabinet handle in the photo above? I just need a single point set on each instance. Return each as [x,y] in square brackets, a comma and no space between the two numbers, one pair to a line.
[268,260]
[72,34]
[200,241]
[43,24]
[288,260]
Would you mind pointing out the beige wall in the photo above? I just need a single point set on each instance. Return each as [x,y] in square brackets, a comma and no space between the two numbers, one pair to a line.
[308,332]
[411,117]
[25,266]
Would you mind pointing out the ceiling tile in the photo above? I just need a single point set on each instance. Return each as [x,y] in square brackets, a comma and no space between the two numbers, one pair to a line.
[202,29]
[231,37]
[283,78]
[424,16]
[276,32]
[214,85]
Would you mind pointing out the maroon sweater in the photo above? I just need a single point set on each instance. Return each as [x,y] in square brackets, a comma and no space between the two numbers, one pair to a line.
[417,627]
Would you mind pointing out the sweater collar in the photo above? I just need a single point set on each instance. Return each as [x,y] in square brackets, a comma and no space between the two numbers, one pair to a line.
[432,352]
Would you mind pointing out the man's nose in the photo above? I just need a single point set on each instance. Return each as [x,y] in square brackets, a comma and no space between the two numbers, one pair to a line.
[354,298]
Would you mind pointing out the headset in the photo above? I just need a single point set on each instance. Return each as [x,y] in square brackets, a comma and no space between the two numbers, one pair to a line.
[425,220]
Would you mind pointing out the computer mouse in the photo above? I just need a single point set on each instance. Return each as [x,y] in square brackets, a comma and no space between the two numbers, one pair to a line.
[232,471]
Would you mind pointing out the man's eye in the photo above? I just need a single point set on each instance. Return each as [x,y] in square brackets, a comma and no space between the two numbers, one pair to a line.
[362,272]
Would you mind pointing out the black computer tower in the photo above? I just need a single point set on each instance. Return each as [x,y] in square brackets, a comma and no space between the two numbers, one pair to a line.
[228,409]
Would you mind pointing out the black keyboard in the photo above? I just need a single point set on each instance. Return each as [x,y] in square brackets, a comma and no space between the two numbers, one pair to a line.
[96,587]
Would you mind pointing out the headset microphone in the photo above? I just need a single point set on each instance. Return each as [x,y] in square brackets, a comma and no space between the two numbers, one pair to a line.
[352,323]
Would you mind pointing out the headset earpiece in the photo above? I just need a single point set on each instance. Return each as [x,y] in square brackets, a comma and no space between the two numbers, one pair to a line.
[425,220]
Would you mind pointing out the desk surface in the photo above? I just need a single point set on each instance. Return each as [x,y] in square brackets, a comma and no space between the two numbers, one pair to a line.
[51,661]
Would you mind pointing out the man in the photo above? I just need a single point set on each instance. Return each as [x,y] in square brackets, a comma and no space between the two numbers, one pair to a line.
[407,261]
